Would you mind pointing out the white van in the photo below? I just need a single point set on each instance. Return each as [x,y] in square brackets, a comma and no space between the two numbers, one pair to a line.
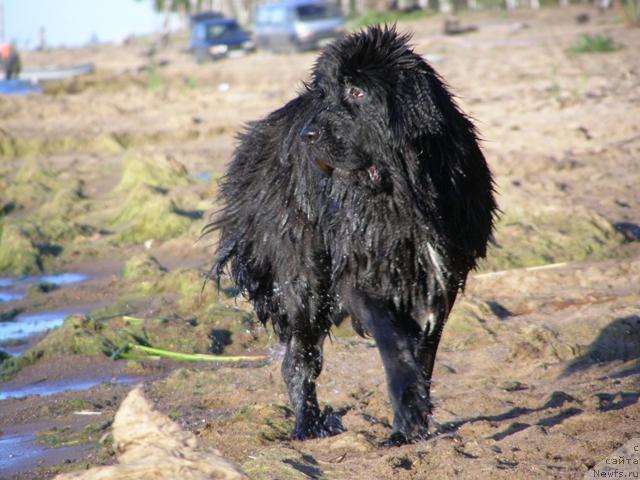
[297,24]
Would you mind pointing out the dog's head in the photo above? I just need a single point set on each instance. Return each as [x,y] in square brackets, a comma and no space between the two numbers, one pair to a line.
[370,94]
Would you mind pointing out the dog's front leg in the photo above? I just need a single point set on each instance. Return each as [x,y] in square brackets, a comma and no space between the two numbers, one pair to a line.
[396,338]
[301,366]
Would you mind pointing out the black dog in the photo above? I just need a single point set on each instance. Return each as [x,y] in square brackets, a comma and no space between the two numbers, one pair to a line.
[367,195]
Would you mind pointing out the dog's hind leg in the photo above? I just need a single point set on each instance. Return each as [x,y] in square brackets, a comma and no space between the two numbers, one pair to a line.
[396,338]
[301,366]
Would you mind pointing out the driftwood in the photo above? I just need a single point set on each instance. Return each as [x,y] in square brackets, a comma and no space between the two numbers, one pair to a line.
[149,446]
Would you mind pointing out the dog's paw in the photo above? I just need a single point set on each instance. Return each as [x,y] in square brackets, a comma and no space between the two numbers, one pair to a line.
[411,425]
[397,439]
[323,424]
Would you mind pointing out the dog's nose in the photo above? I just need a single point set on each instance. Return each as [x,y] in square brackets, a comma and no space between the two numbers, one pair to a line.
[310,134]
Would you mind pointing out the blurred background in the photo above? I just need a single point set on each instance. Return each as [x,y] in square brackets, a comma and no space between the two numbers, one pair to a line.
[117,120]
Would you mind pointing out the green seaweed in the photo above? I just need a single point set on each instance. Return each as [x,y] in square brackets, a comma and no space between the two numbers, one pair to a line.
[150,210]
[66,203]
[11,366]
[470,325]
[160,171]
[80,334]
[527,238]
[197,334]
[33,182]
[149,213]
[86,335]
[16,147]
[142,267]
[60,437]
[18,255]
[264,423]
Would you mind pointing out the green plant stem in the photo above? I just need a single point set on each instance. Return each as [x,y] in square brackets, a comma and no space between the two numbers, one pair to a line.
[193,357]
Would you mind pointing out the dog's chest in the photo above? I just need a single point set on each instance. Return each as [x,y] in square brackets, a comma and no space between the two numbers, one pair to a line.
[375,235]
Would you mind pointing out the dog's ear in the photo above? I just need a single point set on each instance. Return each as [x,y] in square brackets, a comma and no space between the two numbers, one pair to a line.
[420,104]
[426,119]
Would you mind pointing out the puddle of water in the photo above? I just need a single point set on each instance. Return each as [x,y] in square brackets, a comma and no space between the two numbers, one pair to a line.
[46,388]
[26,325]
[63,278]
[10,296]
[19,453]
[15,288]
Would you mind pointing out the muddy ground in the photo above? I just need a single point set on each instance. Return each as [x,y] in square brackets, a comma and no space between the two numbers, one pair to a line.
[113,175]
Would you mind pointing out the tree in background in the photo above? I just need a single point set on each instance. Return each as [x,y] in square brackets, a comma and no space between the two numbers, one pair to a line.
[630,10]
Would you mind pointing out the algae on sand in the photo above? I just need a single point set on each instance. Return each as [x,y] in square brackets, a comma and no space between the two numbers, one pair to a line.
[65,203]
[151,210]
[15,147]
[142,266]
[161,171]
[55,220]
[78,335]
[262,424]
[150,213]
[84,335]
[471,325]
[527,238]
[18,255]
[199,334]
[53,203]
[65,437]
[33,182]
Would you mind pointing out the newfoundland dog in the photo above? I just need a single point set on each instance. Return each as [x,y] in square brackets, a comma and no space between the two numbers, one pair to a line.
[366,196]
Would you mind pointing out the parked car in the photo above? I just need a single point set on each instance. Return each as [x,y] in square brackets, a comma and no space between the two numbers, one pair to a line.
[216,38]
[204,16]
[297,24]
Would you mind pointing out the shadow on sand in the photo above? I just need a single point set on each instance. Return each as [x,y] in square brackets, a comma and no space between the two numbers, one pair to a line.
[618,341]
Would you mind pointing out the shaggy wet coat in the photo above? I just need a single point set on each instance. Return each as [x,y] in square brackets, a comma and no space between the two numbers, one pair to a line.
[366,195]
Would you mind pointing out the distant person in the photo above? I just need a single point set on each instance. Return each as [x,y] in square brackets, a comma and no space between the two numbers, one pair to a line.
[9,61]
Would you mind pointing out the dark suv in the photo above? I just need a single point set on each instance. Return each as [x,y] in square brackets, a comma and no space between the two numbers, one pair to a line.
[217,38]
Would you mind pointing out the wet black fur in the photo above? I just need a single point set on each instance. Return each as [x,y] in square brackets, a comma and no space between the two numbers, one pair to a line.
[366,195]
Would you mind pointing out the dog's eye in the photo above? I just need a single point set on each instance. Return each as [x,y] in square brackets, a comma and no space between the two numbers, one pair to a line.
[356,93]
